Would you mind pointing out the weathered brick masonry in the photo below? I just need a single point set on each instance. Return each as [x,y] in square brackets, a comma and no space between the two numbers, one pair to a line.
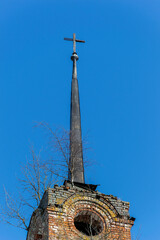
[61,207]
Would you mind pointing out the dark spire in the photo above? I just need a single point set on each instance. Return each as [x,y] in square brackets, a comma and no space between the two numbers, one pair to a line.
[76,167]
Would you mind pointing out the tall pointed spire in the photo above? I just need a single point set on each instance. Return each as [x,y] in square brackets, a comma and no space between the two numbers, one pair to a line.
[76,166]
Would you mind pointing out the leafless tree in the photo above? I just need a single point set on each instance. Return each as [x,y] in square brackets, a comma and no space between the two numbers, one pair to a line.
[38,175]
[36,179]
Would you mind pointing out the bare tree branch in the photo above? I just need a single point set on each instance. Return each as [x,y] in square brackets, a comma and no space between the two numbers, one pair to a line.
[38,175]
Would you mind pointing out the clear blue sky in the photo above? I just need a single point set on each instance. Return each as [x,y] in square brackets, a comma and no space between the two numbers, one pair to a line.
[119,79]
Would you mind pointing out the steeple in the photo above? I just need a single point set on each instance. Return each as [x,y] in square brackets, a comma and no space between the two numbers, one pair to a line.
[70,214]
[76,166]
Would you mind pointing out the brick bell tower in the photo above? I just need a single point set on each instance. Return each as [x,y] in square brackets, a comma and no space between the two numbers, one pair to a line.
[76,210]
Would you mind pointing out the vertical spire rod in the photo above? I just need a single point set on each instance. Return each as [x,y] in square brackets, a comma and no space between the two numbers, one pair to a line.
[76,166]
[74,42]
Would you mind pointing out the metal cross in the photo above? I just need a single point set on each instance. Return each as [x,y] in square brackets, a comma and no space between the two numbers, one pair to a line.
[74,41]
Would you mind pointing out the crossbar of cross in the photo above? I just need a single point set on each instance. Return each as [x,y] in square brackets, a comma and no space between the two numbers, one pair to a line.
[74,41]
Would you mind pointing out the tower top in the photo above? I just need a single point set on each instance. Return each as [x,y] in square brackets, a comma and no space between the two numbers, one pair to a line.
[74,41]
[76,166]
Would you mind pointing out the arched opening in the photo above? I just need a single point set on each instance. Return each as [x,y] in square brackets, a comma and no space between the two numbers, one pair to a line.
[88,223]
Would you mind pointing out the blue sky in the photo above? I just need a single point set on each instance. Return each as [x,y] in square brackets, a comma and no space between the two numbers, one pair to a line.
[118,72]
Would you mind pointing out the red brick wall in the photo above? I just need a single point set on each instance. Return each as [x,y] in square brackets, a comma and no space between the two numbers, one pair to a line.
[60,206]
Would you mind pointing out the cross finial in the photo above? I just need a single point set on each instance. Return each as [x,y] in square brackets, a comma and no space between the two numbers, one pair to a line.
[74,41]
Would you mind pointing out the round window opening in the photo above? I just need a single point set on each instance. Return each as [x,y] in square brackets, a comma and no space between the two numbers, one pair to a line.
[88,223]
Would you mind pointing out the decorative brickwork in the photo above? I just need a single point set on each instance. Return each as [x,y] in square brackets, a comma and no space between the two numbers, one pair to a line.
[71,212]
